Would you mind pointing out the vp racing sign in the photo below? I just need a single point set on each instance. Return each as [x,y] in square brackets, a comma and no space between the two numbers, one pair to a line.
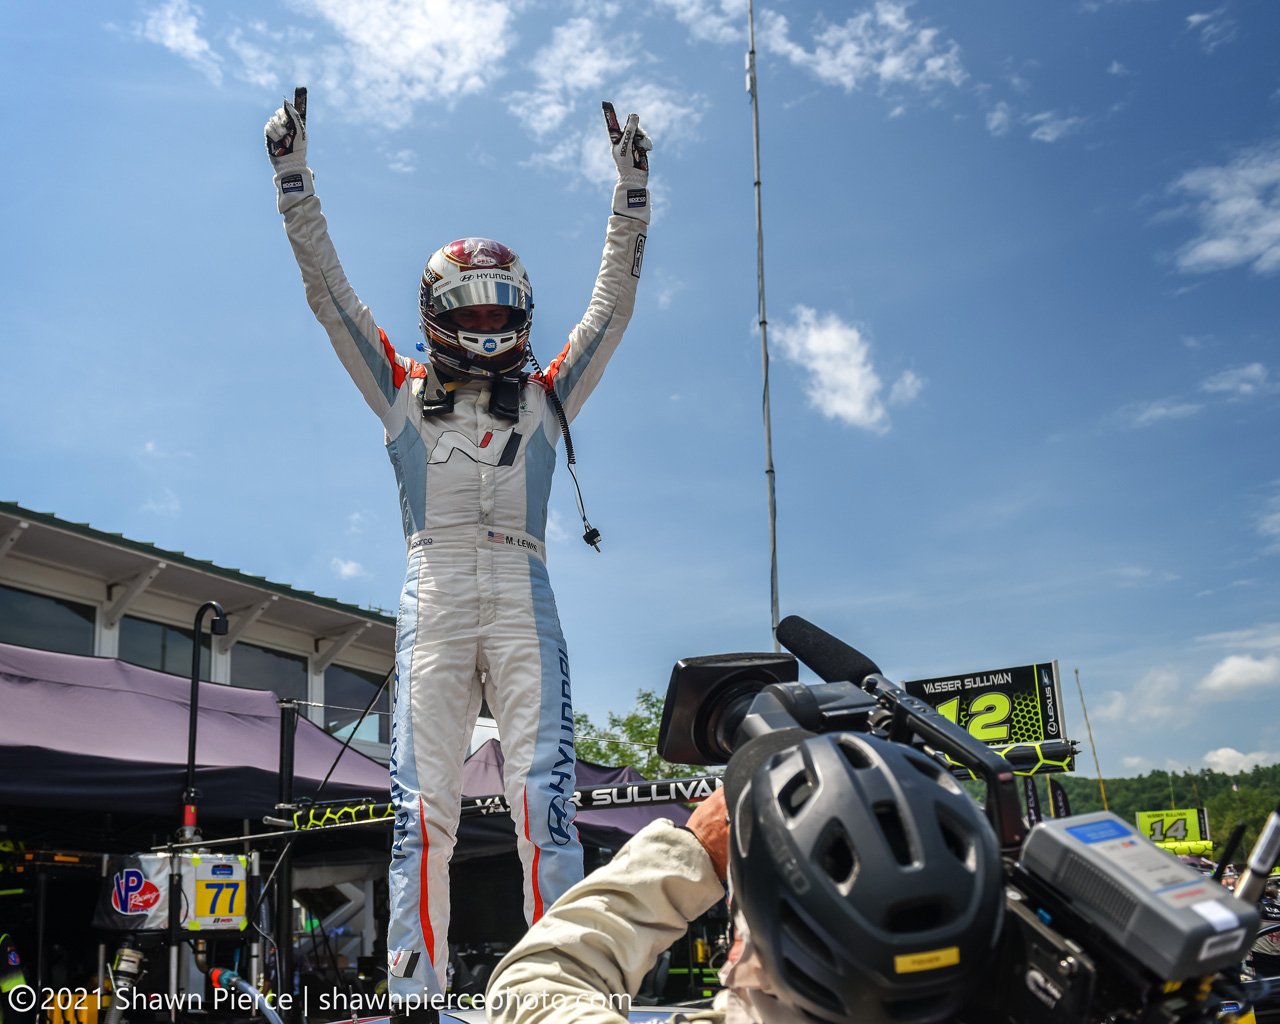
[135,893]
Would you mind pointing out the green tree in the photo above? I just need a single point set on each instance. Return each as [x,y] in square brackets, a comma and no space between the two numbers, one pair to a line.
[630,738]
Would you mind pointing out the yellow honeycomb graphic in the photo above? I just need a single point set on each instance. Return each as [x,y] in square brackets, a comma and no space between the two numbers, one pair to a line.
[1025,723]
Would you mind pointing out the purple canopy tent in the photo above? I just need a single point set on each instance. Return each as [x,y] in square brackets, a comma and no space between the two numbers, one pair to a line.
[99,734]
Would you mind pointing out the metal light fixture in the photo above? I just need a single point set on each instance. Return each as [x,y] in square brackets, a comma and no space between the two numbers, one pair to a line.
[218,627]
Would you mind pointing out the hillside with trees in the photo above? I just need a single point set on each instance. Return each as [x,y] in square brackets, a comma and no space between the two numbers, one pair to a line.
[1228,799]
[1249,797]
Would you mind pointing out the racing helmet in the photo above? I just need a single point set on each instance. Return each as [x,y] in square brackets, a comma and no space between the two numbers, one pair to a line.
[871,882]
[475,272]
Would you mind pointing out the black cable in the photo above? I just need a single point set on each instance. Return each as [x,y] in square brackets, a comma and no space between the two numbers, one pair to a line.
[354,729]
[591,535]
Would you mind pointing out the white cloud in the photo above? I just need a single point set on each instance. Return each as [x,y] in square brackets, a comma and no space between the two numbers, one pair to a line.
[1268,524]
[389,58]
[1050,126]
[1230,761]
[347,569]
[1137,575]
[396,55]
[175,25]
[843,384]
[555,528]
[999,119]
[1243,673]
[715,21]
[880,45]
[1240,381]
[1112,707]
[1139,765]
[1118,69]
[402,161]
[152,450]
[1263,637]
[1146,414]
[1215,28]
[669,117]
[1155,701]
[1238,207]
[166,503]
[906,388]
[255,61]
[579,59]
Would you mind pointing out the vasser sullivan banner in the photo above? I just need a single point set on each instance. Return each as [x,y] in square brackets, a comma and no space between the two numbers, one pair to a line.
[999,706]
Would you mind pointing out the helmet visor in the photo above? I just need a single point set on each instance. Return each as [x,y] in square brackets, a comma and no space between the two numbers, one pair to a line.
[483,288]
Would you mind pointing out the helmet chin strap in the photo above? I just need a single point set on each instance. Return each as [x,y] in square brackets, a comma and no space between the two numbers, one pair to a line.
[445,374]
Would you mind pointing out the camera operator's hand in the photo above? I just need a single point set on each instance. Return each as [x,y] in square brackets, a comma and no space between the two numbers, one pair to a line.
[710,824]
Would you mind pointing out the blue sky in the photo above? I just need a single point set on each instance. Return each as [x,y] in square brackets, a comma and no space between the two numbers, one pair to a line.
[1021,268]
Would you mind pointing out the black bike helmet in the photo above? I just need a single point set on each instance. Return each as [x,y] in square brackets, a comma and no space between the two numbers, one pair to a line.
[870,880]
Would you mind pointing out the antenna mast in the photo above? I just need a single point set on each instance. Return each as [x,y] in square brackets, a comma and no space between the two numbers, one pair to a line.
[752,88]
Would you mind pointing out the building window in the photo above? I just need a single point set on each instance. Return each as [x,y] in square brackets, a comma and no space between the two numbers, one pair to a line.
[163,648]
[259,668]
[347,692]
[47,623]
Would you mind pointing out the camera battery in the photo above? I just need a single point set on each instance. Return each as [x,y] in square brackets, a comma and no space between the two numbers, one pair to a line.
[1175,921]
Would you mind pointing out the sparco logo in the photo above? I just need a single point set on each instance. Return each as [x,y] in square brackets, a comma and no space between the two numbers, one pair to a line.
[638,258]
[291,183]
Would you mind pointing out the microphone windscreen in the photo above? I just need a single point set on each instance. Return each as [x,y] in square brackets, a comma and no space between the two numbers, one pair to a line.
[831,658]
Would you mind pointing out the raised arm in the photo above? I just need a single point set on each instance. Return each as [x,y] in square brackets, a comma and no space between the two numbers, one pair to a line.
[576,370]
[364,350]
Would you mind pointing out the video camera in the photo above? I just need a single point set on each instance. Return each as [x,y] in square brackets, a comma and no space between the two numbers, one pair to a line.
[1099,924]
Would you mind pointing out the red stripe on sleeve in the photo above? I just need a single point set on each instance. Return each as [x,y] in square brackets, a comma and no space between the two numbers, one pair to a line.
[397,371]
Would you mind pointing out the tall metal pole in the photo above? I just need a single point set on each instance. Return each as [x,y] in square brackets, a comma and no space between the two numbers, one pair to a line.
[1102,786]
[190,829]
[753,89]
[284,867]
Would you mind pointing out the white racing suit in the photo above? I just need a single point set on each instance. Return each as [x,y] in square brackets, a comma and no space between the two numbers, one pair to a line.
[477,618]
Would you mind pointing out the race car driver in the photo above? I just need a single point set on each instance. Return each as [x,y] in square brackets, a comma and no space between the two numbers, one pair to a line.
[472,438]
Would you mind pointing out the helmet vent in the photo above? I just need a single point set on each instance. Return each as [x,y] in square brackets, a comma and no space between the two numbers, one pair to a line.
[795,794]
[961,848]
[838,858]
[933,771]
[798,931]
[855,755]
[895,835]
[810,989]
[916,917]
